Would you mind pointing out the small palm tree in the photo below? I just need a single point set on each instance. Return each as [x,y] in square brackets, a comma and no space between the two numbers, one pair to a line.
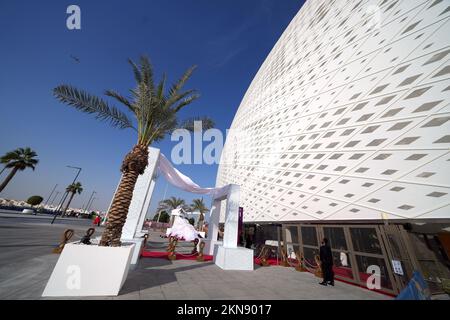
[18,160]
[199,205]
[155,110]
[170,204]
[73,189]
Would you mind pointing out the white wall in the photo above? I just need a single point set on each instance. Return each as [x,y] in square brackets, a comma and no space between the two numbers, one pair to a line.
[348,116]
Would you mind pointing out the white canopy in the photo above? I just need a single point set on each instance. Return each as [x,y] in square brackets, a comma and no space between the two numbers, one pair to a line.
[183,182]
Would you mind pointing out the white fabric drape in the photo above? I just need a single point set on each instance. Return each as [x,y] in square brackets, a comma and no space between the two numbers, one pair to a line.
[182,229]
[179,180]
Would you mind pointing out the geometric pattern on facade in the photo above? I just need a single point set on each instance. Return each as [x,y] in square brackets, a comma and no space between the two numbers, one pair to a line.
[348,117]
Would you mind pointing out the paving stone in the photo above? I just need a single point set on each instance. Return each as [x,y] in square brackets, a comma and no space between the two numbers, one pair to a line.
[157,279]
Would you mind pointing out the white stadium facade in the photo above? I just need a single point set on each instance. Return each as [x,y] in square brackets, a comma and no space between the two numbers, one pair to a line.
[344,133]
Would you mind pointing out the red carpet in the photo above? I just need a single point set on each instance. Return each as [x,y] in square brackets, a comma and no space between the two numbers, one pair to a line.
[163,255]
[272,262]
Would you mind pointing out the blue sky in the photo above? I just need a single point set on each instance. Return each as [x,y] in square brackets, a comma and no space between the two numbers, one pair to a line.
[228,40]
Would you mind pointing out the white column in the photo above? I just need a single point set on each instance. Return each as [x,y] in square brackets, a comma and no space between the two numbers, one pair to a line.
[232,217]
[228,256]
[213,227]
[148,199]
[141,197]
[214,216]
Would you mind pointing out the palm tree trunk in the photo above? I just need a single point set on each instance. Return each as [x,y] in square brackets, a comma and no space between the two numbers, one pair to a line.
[201,218]
[68,204]
[8,178]
[133,165]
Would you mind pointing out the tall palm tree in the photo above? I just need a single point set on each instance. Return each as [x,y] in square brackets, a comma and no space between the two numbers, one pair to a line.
[18,160]
[199,205]
[155,111]
[73,189]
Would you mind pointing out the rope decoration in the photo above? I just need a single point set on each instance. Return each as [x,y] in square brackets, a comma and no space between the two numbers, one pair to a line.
[156,245]
[301,263]
[187,255]
[194,251]
[260,251]
[318,272]
[264,255]
[284,258]
[200,257]
[86,239]
[173,241]
[144,244]
[145,240]
[172,245]
[288,260]
[67,235]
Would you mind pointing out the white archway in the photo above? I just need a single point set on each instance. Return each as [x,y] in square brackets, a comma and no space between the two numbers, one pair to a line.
[227,254]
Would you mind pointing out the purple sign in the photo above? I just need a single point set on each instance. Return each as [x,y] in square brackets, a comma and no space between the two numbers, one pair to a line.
[240,223]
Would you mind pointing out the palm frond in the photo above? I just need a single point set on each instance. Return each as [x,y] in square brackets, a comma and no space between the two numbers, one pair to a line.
[147,72]
[121,99]
[173,95]
[186,101]
[206,122]
[21,158]
[181,82]
[160,89]
[136,71]
[88,103]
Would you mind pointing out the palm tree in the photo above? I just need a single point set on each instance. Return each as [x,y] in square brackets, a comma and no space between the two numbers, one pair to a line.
[155,111]
[18,160]
[170,204]
[199,205]
[73,189]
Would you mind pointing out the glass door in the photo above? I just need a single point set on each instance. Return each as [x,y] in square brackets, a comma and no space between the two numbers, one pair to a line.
[310,244]
[339,243]
[369,252]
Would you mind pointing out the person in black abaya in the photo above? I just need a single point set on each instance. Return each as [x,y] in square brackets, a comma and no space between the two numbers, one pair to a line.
[326,259]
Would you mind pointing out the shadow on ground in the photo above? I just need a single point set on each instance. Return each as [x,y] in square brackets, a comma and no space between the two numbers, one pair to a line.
[144,277]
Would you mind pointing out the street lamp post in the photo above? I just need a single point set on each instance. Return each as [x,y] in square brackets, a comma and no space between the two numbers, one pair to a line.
[90,198]
[51,193]
[54,198]
[66,193]
[91,203]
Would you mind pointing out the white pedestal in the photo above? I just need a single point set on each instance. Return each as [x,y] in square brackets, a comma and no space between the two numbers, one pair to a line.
[89,270]
[141,233]
[137,249]
[234,258]
[210,245]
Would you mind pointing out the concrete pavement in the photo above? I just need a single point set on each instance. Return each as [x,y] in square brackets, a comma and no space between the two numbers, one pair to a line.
[26,263]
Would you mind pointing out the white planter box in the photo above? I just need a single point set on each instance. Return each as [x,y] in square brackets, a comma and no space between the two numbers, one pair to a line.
[89,270]
[233,258]
[211,246]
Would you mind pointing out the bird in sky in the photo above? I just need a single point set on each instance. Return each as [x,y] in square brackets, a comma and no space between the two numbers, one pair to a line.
[77,60]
